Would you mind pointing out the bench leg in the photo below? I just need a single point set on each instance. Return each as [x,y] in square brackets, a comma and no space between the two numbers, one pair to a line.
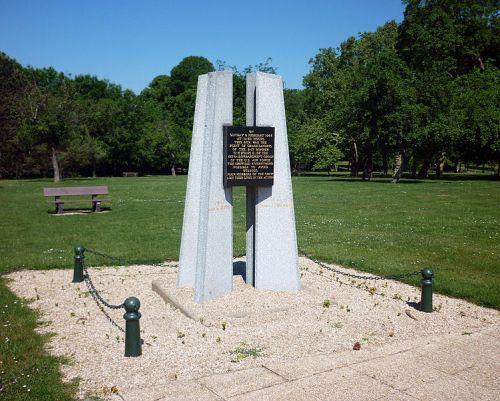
[59,208]
[96,206]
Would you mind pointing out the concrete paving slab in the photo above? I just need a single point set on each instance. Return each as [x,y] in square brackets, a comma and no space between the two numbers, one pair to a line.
[480,347]
[454,354]
[281,392]
[343,384]
[396,395]
[307,366]
[319,363]
[401,371]
[486,374]
[451,388]
[179,391]
[242,381]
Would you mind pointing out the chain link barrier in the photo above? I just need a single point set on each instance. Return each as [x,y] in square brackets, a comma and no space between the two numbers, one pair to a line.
[359,276]
[100,301]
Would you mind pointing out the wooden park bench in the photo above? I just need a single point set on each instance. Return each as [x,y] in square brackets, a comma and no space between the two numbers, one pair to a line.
[65,192]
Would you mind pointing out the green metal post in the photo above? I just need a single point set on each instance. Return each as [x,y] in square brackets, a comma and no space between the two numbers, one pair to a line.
[132,315]
[79,261]
[426,301]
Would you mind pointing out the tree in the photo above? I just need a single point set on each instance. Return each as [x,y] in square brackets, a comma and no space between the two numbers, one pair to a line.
[96,105]
[442,41]
[475,116]
[361,92]
[49,112]
[239,85]
[184,76]
[12,85]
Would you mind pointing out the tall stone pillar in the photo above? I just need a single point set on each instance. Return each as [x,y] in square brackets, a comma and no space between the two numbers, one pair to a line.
[272,256]
[206,261]
[189,239]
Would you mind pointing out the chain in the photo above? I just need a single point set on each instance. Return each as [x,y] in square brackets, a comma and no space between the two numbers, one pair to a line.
[100,301]
[93,290]
[96,299]
[359,276]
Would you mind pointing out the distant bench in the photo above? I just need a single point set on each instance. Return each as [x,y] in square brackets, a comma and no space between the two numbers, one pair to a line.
[130,174]
[57,193]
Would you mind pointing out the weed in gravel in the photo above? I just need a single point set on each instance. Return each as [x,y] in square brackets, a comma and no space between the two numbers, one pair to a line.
[180,334]
[326,303]
[243,352]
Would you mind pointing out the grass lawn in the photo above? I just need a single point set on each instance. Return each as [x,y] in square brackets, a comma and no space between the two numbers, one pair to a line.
[452,225]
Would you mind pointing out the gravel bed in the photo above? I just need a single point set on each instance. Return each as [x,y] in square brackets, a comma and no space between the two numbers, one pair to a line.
[331,313]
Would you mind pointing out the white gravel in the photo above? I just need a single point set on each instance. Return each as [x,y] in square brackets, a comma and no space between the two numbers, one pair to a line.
[280,326]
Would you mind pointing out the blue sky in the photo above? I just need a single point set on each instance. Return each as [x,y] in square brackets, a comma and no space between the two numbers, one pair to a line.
[131,42]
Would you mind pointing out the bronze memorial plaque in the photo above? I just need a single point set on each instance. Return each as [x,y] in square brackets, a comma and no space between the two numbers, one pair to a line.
[248,156]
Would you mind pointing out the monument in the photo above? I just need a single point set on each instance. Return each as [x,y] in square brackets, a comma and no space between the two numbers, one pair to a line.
[223,156]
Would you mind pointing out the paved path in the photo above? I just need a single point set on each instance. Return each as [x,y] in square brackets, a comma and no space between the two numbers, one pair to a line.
[463,366]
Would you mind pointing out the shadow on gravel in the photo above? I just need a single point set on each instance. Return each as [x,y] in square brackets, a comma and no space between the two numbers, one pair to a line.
[414,305]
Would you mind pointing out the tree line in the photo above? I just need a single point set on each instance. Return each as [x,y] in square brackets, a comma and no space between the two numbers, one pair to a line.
[415,96]
[421,94]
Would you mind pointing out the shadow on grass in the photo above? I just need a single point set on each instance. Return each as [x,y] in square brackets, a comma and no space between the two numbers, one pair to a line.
[410,180]
[374,180]
[78,211]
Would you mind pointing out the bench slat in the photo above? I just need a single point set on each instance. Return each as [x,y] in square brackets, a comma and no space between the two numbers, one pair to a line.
[72,191]
[77,200]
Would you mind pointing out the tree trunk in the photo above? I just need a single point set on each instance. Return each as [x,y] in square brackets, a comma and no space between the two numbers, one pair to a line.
[368,165]
[94,172]
[414,167]
[440,165]
[398,168]
[354,160]
[368,169]
[172,169]
[424,170]
[385,164]
[55,165]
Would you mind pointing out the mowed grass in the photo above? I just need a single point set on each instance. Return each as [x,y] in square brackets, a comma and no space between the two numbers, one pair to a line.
[451,225]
